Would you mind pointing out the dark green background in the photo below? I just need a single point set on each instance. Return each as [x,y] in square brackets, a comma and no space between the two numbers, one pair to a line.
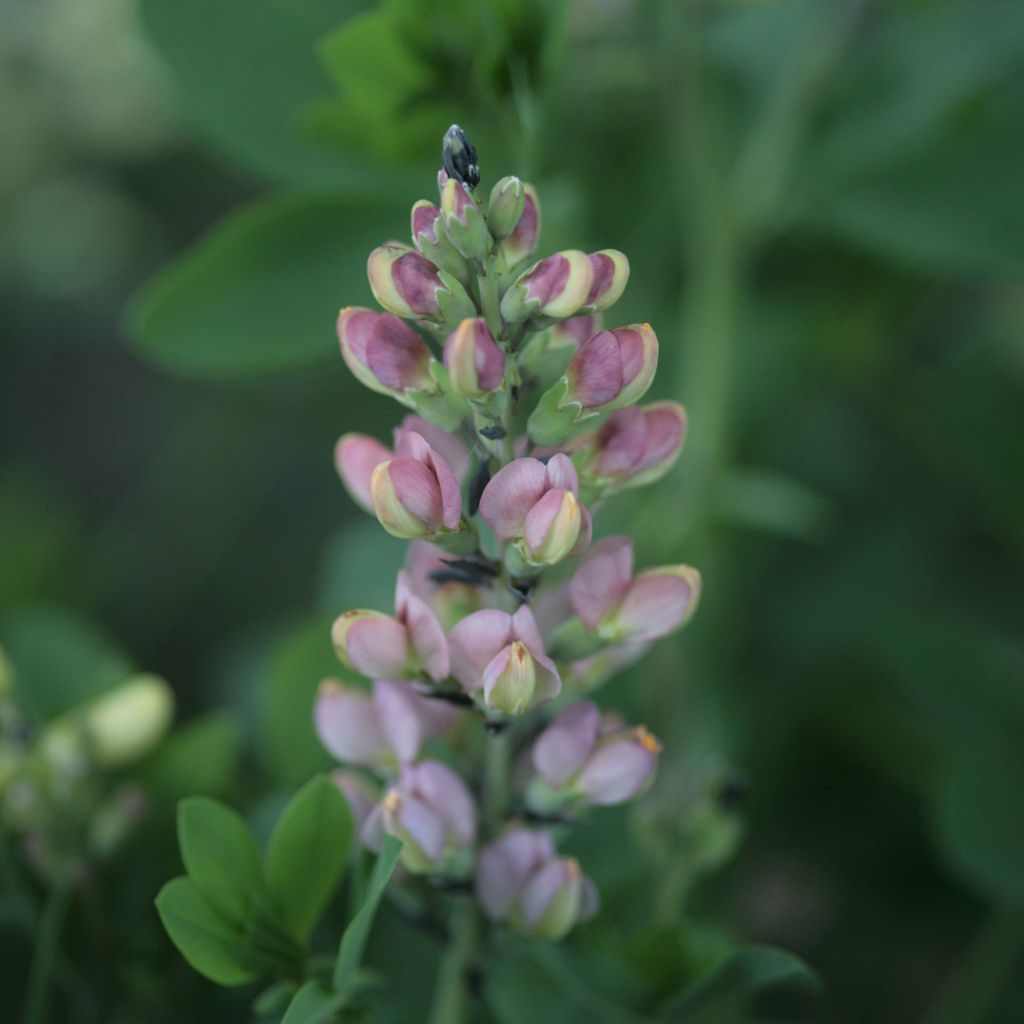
[823,209]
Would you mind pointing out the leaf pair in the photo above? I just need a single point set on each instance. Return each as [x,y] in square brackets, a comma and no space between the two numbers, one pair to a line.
[235,916]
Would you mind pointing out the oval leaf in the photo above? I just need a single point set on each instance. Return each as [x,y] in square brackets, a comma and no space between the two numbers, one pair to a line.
[221,857]
[261,292]
[307,854]
[208,942]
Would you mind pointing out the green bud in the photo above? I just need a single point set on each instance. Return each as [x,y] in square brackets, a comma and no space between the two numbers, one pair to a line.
[508,198]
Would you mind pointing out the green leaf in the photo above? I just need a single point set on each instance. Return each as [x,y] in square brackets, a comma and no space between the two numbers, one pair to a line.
[312,1004]
[58,660]
[980,816]
[199,759]
[353,942]
[725,989]
[307,854]
[247,76]
[208,942]
[221,857]
[261,292]
[295,670]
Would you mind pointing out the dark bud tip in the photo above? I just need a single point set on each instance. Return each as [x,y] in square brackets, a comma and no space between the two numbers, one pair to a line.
[458,157]
[492,433]
[494,728]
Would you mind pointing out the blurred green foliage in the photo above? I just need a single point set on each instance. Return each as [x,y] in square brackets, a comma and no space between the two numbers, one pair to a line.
[822,207]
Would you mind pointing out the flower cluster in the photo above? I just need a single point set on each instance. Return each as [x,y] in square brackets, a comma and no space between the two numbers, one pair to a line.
[523,421]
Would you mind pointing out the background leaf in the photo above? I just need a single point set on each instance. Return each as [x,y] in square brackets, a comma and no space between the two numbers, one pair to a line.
[307,853]
[262,291]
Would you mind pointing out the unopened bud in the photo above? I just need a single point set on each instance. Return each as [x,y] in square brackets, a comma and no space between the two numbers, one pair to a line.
[611,272]
[430,239]
[555,287]
[384,352]
[409,285]
[508,199]
[475,364]
[458,157]
[522,241]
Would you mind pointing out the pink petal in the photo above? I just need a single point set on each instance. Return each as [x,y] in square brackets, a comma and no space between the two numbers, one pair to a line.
[449,797]
[450,446]
[346,724]
[418,491]
[358,793]
[586,533]
[617,772]
[504,865]
[602,579]
[398,357]
[562,473]
[356,456]
[665,427]
[631,352]
[425,634]
[510,495]
[398,718]
[542,887]
[655,605]
[622,442]
[475,641]
[424,221]
[548,278]
[451,495]
[378,647]
[416,281]
[423,826]
[524,627]
[595,371]
[604,274]
[563,747]
[371,832]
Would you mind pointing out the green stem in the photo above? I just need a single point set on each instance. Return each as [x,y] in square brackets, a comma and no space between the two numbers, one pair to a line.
[47,939]
[451,996]
[487,281]
[496,781]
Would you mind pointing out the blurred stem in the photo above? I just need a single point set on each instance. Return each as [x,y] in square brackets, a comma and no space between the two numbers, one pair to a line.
[47,939]
[972,987]
[496,780]
[451,995]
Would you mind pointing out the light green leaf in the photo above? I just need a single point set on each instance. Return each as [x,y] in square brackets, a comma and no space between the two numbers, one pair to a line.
[307,853]
[246,76]
[313,1004]
[209,943]
[353,942]
[262,291]
[221,857]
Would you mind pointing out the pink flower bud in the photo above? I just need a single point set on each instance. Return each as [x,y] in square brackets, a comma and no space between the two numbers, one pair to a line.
[575,331]
[521,882]
[475,364]
[623,608]
[356,456]
[499,659]
[598,760]
[613,369]
[524,237]
[555,287]
[538,506]
[463,221]
[610,274]
[384,353]
[415,494]
[431,809]
[636,446]
[382,647]
[408,285]
[382,730]
[450,447]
